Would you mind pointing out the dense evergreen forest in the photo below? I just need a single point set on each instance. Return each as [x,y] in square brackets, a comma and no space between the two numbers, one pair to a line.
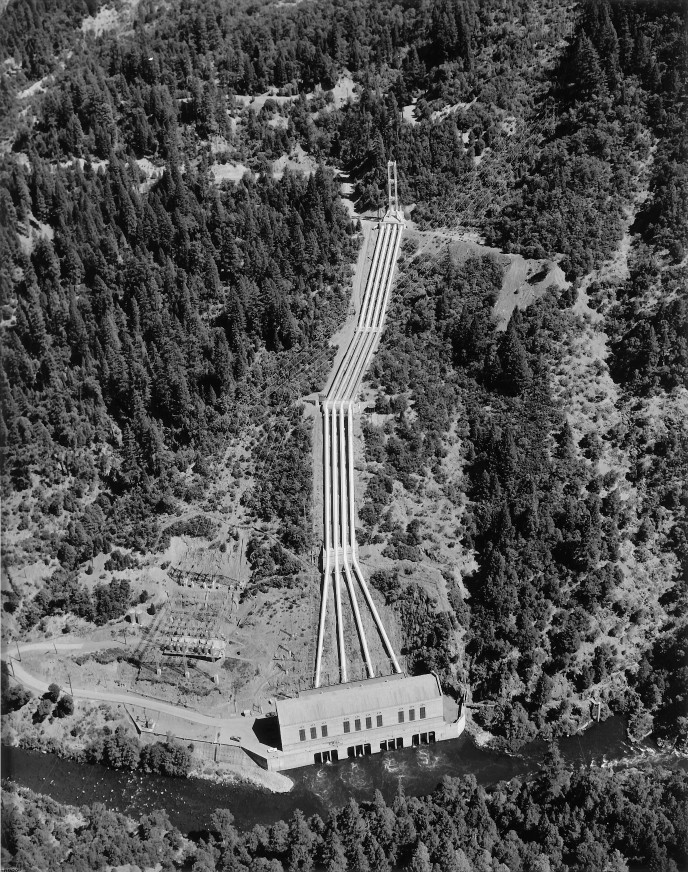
[545,511]
[134,314]
[581,821]
[153,314]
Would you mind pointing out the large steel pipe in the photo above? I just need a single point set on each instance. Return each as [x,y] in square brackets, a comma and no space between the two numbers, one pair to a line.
[321,623]
[345,366]
[373,276]
[374,316]
[375,288]
[346,496]
[356,366]
[326,474]
[388,288]
[336,549]
[356,355]
[375,321]
[380,312]
[363,350]
[328,542]
[376,617]
[338,463]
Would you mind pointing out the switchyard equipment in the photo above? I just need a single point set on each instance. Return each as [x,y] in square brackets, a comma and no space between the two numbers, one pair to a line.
[195,624]
[190,578]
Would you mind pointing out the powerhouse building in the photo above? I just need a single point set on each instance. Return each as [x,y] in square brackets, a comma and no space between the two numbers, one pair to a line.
[363,717]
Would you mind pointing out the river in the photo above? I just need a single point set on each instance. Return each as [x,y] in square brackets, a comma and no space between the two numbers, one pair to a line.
[189,802]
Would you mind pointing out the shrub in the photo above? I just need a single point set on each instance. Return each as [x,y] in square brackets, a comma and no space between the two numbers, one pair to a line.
[120,750]
[166,758]
[53,693]
[199,526]
[14,696]
[118,561]
[44,709]
[65,707]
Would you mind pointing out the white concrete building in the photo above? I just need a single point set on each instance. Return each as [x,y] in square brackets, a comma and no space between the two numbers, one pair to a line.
[363,717]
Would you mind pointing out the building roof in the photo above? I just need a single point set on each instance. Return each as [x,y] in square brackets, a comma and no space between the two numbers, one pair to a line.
[355,697]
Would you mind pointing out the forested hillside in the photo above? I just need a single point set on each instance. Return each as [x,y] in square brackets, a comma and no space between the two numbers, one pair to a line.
[175,255]
[575,511]
[134,311]
[169,283]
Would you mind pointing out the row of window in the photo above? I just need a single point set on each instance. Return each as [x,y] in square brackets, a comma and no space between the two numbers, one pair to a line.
[358,722]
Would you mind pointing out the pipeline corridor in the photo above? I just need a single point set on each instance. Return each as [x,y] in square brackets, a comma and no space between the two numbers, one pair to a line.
[340,559]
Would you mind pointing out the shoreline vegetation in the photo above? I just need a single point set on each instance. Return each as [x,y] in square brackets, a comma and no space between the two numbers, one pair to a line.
[634,816]
[276,782]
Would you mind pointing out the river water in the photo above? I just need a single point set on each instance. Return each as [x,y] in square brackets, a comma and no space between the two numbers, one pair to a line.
[189,802]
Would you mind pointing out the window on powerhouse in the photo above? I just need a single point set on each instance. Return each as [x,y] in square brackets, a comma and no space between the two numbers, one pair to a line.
[302,735]
[358,724]
[368,723]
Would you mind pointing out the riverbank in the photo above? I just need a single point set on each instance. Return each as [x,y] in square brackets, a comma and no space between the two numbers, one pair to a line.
[652,795]
[227,741]
[189,802]
[229,774]
[57,738]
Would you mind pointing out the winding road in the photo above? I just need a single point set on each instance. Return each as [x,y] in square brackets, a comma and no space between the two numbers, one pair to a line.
[40,686]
